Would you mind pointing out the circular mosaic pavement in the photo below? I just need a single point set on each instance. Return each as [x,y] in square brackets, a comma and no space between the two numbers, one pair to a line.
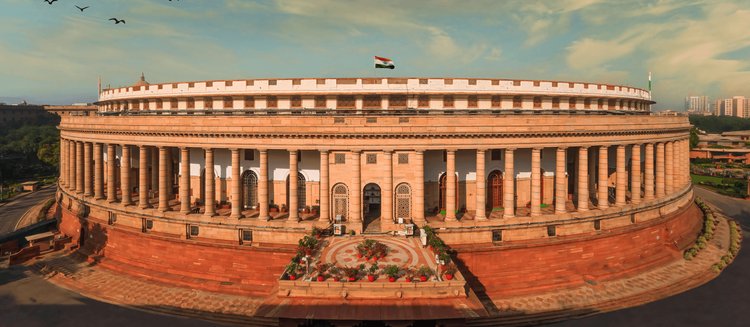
[344,252]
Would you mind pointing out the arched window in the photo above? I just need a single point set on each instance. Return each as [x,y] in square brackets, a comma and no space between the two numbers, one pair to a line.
[403,201]
[249,190]
[495,190]
[340,201]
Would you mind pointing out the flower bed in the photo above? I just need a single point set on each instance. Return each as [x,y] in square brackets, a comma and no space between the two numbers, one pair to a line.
[707,233]
[735,238]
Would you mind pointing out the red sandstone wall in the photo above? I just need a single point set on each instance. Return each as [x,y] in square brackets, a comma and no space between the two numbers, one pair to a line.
[524,270]
[232,269]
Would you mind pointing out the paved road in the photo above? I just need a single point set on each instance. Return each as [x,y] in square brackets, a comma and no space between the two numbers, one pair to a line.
[724,301]
[11,212]
[28,300]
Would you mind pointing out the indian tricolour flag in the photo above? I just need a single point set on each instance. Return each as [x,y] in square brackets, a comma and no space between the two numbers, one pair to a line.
[381,62]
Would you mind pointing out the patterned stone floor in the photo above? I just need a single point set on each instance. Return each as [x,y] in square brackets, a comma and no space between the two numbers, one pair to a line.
[403,252]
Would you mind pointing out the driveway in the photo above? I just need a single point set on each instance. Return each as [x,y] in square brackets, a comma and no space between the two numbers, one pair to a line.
[12,211]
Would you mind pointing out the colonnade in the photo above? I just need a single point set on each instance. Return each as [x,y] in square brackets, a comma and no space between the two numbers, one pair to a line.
[665,170]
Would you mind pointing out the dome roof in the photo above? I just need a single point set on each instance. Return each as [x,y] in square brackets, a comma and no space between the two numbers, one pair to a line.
[141,82]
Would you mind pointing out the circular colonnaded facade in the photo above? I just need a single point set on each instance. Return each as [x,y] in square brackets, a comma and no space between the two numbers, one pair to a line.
[534,183]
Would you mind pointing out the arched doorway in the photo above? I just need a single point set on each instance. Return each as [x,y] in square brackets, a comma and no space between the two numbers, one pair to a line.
[340,198]
[82,237]
[403,202]
[249,190]
[443,191]
[494,190]
[371,207]
[300,192]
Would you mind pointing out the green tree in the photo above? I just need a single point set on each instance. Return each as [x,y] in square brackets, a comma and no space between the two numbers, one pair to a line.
[693,138]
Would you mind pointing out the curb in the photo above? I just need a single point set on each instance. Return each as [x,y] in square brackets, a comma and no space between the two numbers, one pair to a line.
[15,228]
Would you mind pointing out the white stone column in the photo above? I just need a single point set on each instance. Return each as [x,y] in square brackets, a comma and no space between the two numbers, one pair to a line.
[143,177]
[263,186]
[622,177]
[88,169]
[210,210]
[184,180]
[536,185]
[387,192]
[635,176]
[509,185]
[560,196]
[660,178]
[648,171]
[111,182]
[603,185]
[419,188]
[236,186]
[63,154]
[324,188]
[98,172]
[355,194]
[79,168]
[669,167]
[481,192]
[125,175]
[293,171]
[583,178]
[163,181]
[450,188]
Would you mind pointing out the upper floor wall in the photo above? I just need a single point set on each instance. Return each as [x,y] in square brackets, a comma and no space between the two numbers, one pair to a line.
[375,93]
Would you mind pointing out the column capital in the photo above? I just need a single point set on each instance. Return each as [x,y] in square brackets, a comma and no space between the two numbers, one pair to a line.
[262,150]
[562,148]
[387,150]
[292,150]
[356,150]
[482,149]
[208,149]
[420,150]
[234,150]
[511,149]
[537,149]
[324,150]
[451,150]
[584,147]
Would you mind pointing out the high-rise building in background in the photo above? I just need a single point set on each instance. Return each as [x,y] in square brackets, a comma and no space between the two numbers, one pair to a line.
[697,104]
[737,106]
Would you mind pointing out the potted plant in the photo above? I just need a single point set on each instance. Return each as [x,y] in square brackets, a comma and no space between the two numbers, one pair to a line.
[373,272]
[444,258]
[392,272]
[335,273]
[450,270]
[350,273]
[317,232]
[291,270]
[273,208]
[315,209]
[424,272]
[307,245]
[321,269]
[408,275]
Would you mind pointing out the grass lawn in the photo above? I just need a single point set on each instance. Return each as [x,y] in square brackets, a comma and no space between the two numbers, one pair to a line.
[701,178]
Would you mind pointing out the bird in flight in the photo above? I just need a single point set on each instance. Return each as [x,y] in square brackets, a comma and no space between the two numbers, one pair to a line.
[117,21]
[50,1]
[79,8]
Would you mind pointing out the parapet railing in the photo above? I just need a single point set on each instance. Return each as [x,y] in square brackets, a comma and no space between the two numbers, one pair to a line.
[365,112]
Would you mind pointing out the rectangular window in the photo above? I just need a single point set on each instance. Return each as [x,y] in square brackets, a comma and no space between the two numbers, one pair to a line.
[497,155]
[537,102]
[423,101]
[495,101]
[112,219]
[371,120]
[173,104]
[338,120]
[472,82]
[228,103]
[403,119]
[209,84]
[473,101]
[497,235]
[191,84]
[554,84]
[246,236]
[227,83]
[572,103]
[551,230]
[320,81]
[517,102]
[296,81]
[272,102]
[555,103]
[597,224]
[194,230]
[587,103]
[296,101]
[249,154]
[320,101]
[158,103]
[397,101]
[191,103]
[371,102]
[422,81]
[447,101]
[345,102]
[208,103]
[571,85]
[516,83]
[340,158]
[249,102]
[536,83]
[372,158]
[403,158]
[448,81]
[271,82]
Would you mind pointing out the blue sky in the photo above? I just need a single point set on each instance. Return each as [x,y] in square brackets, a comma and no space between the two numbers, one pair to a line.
[54,53]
